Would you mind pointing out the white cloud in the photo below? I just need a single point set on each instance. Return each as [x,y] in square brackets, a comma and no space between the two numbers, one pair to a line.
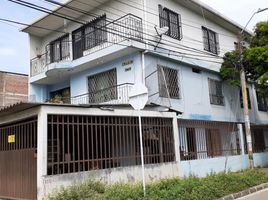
[6,51]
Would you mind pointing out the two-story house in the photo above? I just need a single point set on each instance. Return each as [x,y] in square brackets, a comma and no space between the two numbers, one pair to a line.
[88,56]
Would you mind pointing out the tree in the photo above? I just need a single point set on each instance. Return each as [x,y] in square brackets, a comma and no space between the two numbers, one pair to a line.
[255,60]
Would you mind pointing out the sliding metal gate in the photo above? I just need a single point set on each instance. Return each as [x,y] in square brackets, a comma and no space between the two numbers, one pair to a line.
[18,167]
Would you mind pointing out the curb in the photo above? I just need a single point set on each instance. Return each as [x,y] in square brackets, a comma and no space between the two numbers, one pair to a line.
[245,192]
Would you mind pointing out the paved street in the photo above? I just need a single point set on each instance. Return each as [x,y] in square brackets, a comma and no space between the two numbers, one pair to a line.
[261,195]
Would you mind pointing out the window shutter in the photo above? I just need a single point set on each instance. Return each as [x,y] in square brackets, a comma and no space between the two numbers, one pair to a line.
[205,38]
[217,43]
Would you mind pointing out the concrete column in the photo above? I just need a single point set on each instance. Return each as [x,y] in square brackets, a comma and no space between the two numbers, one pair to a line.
[241,137]
[41,151]
[176,138]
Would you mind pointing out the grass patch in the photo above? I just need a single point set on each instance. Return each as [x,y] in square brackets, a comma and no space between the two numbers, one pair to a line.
[193,188]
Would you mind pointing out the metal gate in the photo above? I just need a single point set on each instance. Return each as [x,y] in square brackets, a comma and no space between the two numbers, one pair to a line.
[18,167]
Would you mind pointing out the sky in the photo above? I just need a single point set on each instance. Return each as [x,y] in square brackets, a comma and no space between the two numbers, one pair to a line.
[14,45]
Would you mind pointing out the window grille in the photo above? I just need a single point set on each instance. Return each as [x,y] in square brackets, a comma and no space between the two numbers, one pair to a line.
[262,101]
[59,49]
[168,82]
[88,36]
[102,87]
[172,20]
[211,41]
[95,32]
[241,99]
[215,92]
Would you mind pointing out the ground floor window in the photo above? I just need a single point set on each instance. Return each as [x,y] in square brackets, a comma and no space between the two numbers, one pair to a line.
[84,143]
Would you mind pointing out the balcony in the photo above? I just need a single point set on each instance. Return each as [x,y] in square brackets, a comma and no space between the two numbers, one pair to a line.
[114,95]
[126,28]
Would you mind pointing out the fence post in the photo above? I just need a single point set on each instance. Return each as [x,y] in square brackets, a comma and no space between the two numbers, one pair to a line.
[241,136]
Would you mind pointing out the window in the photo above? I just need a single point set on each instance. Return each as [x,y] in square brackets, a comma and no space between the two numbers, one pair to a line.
[258,140]
[211,40]
[61,96]
[88,36]
[213,141]
[172,20]
[59,49]
[168,82]
[102,87]
[215,92]
[241,99]
[95,32]
[262,101]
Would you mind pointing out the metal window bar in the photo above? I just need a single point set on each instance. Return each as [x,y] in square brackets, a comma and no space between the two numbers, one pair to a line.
[215,92]
[168,82]
[204,139]
[172,20]
[87,143]
[211,41]
[105,81]
[258,139]
[262,101]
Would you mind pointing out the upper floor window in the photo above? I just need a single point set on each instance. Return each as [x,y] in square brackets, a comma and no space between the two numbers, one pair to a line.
[102,87]
[172,20]
[88,36]
[262,101]
[215,92]
[168,82]
[211,40]
[241,99]
[59,49]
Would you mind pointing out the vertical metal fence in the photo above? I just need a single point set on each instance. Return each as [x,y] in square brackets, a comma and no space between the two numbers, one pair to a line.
[18,167]
[84,143]
[203,139]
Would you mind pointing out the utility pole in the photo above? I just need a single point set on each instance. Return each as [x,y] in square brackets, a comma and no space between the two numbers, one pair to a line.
[244,90]
[245,100]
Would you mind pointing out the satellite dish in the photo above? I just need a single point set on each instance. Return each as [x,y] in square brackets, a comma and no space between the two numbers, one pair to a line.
[138,96]
[161,31]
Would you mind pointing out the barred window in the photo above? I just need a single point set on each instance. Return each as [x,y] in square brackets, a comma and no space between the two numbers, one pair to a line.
[172,20]
[59,49]
[168,82]
[262,101]
[88,36]
[102,87]
[211,40]
[241,99]
[215,92]
[95,32]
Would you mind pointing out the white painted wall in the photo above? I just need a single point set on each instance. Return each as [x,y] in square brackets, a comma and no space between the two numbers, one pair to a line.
[202,168]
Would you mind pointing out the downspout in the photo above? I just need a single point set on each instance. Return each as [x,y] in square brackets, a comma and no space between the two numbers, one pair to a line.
[145,37]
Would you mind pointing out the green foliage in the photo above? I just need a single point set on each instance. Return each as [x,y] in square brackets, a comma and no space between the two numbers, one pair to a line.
[260,37]
[209,188]
[255,60]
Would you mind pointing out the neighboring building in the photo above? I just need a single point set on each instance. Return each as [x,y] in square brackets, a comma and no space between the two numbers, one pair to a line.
[13,88]
[83,74]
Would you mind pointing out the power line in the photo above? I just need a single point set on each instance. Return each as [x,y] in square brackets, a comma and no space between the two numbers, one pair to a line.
[94,15]
[147,29]
[123,36]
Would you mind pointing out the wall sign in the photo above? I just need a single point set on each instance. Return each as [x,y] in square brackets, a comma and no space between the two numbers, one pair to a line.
[11,139]
[129,62]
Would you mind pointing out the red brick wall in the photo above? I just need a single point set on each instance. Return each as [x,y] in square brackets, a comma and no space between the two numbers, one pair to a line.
[13,88]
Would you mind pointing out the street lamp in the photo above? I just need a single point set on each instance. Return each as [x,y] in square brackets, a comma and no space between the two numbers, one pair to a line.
[244,90]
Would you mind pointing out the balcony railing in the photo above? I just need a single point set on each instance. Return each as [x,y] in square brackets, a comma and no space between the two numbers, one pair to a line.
[118,94]
[128,27]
